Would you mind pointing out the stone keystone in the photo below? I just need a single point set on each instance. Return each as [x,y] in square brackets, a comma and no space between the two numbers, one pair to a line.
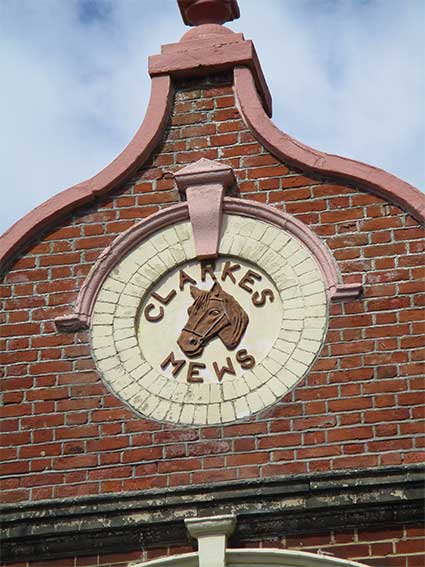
[204,184]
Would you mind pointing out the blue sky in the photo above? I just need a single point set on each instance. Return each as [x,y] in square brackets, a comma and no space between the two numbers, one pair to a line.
[346,76]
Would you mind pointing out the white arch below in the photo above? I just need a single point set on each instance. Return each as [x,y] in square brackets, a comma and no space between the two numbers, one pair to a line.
[254,558]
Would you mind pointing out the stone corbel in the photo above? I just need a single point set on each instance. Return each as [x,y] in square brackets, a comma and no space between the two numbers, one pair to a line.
[212,534]
[348,291]
[203,185]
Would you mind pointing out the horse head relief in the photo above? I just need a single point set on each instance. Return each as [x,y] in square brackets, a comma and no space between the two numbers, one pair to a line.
[214,312]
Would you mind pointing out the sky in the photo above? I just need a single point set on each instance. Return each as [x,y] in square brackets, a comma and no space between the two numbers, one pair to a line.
[346,76]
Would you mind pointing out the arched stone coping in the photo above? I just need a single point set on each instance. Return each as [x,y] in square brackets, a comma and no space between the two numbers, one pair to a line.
[128,161]
[136,234]
[378,181]
[250,104]
[257,558]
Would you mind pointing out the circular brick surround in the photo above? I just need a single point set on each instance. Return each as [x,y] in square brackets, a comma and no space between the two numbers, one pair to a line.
[118,344]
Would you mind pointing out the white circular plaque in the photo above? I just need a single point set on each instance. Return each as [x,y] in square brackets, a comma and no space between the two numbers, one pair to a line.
[207,343]
[225,334]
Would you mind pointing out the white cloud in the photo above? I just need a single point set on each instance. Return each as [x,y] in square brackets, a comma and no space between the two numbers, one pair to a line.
[346,76]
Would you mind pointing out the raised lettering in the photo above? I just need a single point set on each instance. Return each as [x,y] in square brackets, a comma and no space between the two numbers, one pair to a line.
[152,318]
[259,299]
[248,280]
[192,376]
[165,300]
[228,270]
[184,279]
[208,268]
[176,364]
[229,369]
[246,360]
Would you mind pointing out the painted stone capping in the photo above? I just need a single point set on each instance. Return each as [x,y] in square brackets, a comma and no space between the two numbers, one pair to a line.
[132,157]
[281,145]
[211,48]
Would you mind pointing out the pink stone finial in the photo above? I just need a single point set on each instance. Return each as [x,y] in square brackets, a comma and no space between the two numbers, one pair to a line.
[198,12]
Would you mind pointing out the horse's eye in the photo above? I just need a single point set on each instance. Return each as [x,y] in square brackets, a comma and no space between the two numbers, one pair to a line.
[214,312]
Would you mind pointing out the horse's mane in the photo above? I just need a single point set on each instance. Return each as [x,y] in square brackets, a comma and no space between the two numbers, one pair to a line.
[201,300]
[232,334]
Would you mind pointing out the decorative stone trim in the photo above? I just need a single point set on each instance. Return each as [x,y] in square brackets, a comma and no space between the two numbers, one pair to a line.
[203,184]
[215,525]
[284,147]
[130,159]
[204,172]
[132,237]
[208,49]
[119,248]
[300,504]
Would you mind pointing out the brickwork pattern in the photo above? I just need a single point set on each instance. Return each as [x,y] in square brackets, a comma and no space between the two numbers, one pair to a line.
[64,434]
[397,547]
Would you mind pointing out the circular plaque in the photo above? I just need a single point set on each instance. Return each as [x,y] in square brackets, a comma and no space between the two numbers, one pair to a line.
[218,309]
[193,342]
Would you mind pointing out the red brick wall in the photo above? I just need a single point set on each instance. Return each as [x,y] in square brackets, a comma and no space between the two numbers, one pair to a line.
[65,435]
[399,547]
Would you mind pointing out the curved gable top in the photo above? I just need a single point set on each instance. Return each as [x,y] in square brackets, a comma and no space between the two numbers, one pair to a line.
[131,158]
[371,178]
[208,49]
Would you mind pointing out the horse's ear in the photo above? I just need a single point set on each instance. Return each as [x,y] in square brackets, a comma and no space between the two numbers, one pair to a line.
[194,292]
[216,290]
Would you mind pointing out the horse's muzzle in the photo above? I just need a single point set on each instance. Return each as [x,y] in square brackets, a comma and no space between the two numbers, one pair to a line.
[191,344]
